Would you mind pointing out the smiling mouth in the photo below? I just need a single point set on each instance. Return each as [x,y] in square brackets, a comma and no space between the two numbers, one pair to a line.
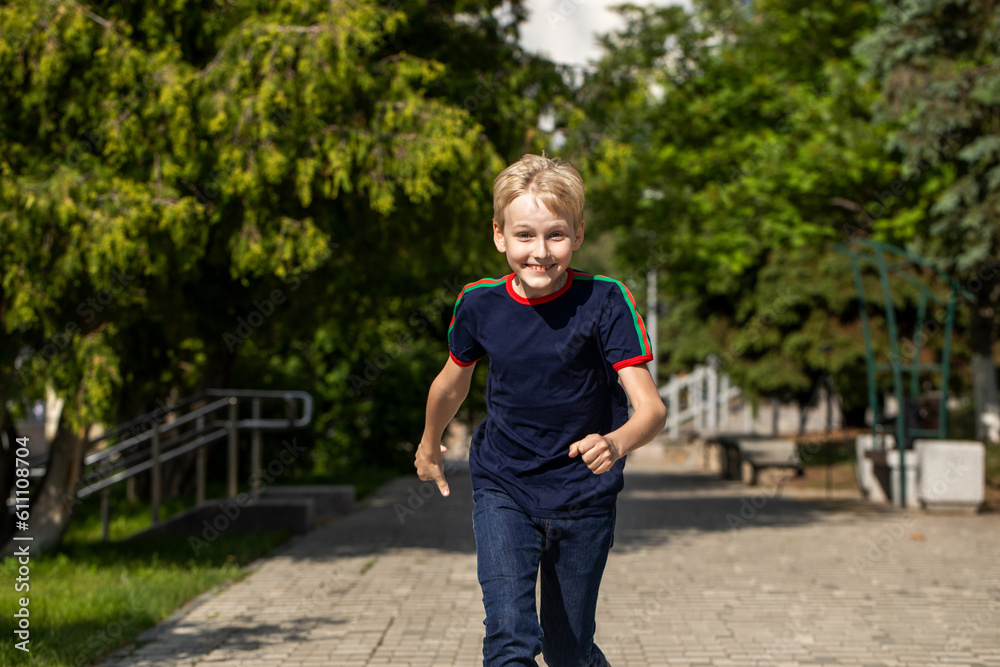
[535,268]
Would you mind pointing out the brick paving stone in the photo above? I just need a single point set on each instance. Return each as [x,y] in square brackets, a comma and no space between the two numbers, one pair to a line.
[703,573]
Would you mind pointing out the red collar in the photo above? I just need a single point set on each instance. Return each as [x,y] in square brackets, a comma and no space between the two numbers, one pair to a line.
[540,299]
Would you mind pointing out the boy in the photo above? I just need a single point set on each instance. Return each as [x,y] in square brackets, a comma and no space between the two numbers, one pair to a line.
[547,461]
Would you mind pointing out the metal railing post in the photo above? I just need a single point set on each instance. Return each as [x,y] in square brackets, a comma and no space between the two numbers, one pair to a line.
[255,449]
[233,442]
[697,393]
[724,404]
[157,475]
[147,453]
[713,397]
[200,462]
[105,513]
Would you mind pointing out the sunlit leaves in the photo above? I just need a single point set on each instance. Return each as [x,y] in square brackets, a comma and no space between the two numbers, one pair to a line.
[337,155]
[754,130]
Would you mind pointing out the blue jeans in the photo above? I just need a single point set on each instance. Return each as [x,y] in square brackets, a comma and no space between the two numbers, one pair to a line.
[511,547]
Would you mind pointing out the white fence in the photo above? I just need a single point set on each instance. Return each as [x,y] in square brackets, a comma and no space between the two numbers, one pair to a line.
[701,398]
[704,401]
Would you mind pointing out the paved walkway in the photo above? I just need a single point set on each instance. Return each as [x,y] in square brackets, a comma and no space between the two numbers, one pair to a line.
[703,572]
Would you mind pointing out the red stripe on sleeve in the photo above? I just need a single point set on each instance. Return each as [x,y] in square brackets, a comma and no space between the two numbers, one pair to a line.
[634,361]
[463,364]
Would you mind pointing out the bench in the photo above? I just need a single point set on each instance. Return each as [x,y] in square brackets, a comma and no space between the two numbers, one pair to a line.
[755,452]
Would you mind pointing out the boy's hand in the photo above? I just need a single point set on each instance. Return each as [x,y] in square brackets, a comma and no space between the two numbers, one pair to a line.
[429,467]
[598,452]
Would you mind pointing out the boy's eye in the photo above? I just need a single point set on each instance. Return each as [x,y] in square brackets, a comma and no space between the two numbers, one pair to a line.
[522,235]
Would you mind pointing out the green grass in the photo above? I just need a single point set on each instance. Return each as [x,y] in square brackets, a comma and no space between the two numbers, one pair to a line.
[129,517]
[822,455]
[91,598]
[126,518]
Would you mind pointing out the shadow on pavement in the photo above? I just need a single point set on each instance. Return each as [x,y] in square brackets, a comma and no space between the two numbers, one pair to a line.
[410,514]
[657,505]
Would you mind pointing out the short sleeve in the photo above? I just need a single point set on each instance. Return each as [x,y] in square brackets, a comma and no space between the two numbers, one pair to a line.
[463,347]
[623,334]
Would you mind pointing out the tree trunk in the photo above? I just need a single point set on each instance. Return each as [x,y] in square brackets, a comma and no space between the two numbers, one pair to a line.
[984,372]
[54,500]
[179,473]
[8,445]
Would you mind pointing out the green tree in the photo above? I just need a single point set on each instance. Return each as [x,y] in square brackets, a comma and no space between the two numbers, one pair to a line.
[168,168]
[739,139]
[936,63]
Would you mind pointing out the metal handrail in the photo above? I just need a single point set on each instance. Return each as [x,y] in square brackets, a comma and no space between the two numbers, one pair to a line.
[147,451]
[148,435]
[157,414]
[146,465]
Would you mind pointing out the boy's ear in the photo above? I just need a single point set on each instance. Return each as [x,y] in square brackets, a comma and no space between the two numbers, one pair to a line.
[578,239]
[498,238]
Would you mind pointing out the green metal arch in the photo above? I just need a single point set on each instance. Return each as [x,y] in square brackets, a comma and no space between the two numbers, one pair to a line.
[862,252]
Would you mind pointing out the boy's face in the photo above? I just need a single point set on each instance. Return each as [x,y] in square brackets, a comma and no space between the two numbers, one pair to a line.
[539,245]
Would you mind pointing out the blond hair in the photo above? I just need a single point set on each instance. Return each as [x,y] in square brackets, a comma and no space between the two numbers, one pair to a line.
[554,183]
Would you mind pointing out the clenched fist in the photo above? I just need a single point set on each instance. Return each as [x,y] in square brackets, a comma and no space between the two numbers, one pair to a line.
[597,452]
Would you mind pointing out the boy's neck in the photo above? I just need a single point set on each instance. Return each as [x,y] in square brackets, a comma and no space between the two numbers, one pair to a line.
[519,288]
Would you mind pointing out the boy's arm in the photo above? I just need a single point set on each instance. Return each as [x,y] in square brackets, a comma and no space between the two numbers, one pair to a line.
[600,452]
[445,397]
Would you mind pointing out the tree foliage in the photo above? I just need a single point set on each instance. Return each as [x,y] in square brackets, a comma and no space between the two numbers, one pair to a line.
[936,63]
[198,194]
[747,142]
[739,141]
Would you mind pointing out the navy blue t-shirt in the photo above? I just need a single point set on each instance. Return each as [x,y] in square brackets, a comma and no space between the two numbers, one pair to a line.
[553,379]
